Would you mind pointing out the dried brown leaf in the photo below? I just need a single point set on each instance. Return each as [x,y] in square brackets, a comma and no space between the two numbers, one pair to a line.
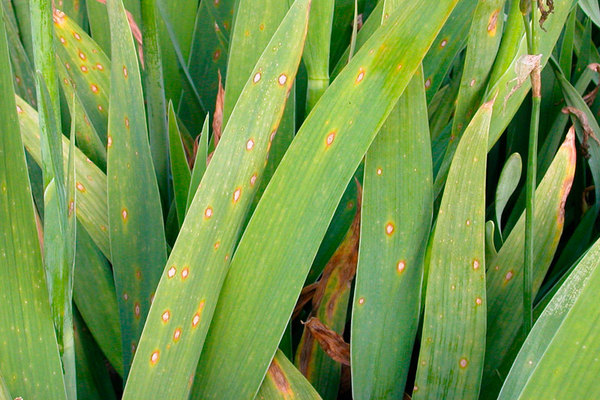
[332,343]
[588,132]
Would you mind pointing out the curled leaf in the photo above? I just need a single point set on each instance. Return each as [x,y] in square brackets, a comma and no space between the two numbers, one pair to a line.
[331,343]
[588,132]
[525,66]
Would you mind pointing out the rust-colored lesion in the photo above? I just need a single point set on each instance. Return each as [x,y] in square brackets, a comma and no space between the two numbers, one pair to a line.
[279,378]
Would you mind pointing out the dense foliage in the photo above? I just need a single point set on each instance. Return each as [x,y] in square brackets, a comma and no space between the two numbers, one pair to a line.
[299,199]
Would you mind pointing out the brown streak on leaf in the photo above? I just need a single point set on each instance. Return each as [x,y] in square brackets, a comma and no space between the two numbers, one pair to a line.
[217,123]
[279,378]
[331,343]
[569,143]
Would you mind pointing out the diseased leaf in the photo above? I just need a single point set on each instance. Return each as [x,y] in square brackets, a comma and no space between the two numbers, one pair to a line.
[187,294]
[453,339]
[26,309]
[274,255]
[137,238]
[504,278]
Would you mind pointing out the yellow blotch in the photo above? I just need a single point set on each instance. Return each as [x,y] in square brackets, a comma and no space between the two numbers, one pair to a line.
[360,76]
[154,357]
[492,23]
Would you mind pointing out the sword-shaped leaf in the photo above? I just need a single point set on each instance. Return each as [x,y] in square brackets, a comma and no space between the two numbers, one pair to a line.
[505,271]
[187,294]
[137,238]
[397,212]
[273,257]
[29,355]
[453,338]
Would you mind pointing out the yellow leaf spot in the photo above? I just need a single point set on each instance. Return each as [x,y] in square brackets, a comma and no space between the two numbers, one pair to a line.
[208,212]
[171,272]
[177,334]
[360,76]
[443,43]
[124,214]
[84,69]
[154,357]
[253,179]
[257,77]
[330,138]
[76,36]
[361,301]
[463,363]
[165,316]
[389,228]
[80,187]
[125,73]
[401,266]
[282,79]
[94,88]
[236,194]
[185,272]
[137,310]
[249,144]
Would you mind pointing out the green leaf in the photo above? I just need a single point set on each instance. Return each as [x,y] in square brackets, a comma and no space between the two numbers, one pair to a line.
[95,296]
[559,357]
[316,52]
[90,182]
[397,211]
[154,87]
[183,15]
[453,338]
[450,42]
[591,9]
[188,291]
[88,68]
[255,25]
[93,380]
[484,35]
[179,167]
[283,381]
[505,271]
[31,368]
[507,184]
[199,164]
[137,238]
[274,255]
[88,139]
